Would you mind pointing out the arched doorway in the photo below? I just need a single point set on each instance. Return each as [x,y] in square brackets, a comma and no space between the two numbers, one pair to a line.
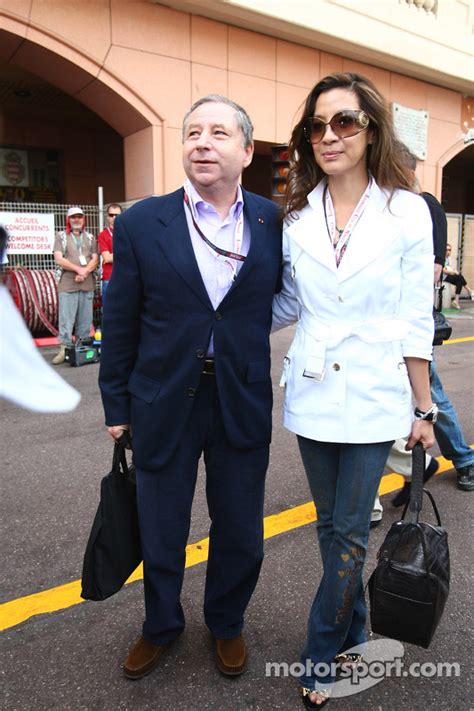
[458,200]
[458,182]
[53,149]
[79,126]
[66,74]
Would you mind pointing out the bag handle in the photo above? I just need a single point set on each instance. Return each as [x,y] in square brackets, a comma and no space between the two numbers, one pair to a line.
[123,443]
[415,502]
[416,491]
[433,503]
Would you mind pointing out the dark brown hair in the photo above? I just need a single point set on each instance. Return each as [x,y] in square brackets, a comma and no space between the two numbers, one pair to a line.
[383,160]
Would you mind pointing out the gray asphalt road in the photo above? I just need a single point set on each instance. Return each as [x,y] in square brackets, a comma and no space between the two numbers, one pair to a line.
[70,659]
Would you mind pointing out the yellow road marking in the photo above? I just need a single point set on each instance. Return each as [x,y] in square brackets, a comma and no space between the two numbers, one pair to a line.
[452,341]
[16,611]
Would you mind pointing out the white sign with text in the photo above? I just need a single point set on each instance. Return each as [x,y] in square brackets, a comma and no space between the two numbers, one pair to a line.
[28,232]
[411,127]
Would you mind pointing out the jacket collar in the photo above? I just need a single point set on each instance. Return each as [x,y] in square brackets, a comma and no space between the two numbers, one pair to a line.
[175,240]
[367,241]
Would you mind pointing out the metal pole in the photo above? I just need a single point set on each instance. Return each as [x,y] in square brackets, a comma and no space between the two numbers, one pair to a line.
[100,199]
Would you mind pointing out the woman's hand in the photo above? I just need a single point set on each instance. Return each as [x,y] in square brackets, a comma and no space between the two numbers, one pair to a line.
[421,431]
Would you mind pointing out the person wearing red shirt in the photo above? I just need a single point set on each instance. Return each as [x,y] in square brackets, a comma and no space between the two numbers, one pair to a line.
[105,240]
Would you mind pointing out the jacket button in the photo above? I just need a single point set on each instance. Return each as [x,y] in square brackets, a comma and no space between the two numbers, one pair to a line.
[336,366]
[218,316]
[340,299]
[191,392]
[200,353]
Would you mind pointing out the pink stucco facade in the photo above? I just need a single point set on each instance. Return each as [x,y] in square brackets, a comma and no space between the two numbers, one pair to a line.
[139,65]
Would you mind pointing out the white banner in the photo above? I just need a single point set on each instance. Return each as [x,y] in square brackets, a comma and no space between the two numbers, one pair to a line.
[28,232]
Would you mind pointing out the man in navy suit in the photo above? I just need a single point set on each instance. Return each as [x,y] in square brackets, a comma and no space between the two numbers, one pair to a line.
[185,366]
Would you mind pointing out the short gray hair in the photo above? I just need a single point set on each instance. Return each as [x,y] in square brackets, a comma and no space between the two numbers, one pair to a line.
[241,116]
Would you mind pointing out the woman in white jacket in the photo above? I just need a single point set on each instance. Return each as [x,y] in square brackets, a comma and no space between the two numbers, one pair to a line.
[358,275]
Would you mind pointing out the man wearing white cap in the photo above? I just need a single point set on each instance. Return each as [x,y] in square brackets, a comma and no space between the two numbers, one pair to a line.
[75,253]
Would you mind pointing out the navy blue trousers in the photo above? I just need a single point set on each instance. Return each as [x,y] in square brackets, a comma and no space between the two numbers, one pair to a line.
[235,481]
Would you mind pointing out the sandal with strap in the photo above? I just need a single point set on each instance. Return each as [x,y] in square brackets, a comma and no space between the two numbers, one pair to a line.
[349,660]
[325,695]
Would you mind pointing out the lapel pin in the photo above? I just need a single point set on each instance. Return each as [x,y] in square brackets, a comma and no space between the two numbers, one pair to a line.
[261,220]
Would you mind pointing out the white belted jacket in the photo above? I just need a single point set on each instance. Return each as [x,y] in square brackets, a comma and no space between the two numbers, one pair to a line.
[344,374]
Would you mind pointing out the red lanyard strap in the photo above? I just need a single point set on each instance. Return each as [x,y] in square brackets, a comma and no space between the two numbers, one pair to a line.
[214,247]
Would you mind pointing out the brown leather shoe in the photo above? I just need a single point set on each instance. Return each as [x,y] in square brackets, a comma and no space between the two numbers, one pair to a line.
[231,656]
[142,658]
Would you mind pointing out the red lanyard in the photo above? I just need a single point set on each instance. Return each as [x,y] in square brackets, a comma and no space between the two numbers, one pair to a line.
[215,248]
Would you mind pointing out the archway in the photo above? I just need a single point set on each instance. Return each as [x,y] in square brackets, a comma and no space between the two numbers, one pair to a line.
[458,200]
[458,181]
[94,86]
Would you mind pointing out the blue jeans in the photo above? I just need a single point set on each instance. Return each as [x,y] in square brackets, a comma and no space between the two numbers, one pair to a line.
[343,479]
[447,428]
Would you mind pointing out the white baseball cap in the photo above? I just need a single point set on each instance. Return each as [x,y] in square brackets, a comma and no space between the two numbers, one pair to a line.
[75,211]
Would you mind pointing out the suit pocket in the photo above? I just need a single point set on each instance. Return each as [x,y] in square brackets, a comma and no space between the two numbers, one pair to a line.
[143,387]
[258,370]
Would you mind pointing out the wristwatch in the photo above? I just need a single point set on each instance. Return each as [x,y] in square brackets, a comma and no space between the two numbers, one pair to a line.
[430,415]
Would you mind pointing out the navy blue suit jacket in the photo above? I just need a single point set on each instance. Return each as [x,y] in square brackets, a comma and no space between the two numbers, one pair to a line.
[158,320]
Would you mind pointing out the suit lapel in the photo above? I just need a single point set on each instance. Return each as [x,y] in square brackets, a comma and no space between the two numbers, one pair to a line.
[175,241]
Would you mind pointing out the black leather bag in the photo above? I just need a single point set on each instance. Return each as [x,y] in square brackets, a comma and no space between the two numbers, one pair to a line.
[442,327]
[409,587]
[113,550]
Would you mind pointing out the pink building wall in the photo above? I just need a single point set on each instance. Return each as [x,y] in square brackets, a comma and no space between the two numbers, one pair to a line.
[153,62]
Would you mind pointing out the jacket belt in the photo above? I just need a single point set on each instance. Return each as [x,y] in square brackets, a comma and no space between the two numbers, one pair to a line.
[325,336]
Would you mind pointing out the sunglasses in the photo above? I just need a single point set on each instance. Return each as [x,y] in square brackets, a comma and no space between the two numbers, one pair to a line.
[113,214]
[344,124]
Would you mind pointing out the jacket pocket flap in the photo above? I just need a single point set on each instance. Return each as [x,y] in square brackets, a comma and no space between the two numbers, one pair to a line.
[143,387]
[258,370]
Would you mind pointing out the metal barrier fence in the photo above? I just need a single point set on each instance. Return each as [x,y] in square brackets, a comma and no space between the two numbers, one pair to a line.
[461,239]
[37,297]
[46,261]
[460,234]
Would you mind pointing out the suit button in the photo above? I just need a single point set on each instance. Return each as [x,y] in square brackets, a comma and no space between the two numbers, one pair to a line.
[340,299]
[191,392]
[200,353]
[336,366]
[218,316]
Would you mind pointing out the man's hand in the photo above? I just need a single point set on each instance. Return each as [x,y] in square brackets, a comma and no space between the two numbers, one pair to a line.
[116,431]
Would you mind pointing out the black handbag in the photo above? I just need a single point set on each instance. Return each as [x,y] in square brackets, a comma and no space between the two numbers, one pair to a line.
[442,327]
[410,584]
[113,550]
